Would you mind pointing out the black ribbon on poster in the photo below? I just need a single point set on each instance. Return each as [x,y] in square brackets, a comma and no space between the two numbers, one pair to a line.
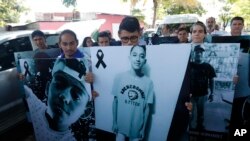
[100,61]
[26,67]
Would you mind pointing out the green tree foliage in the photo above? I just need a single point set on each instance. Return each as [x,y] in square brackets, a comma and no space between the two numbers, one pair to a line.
[69,3]
[155,6]
[138,14]
[225,15]
[236,8]
[242,8]
[162,8]
[172,7]
[10,11]
[133,3]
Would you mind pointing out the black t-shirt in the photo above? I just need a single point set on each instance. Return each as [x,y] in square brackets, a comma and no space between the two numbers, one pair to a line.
[200,76]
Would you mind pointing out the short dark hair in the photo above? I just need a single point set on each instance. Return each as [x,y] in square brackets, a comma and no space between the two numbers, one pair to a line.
[103,34]
[237,18]
[182,29]
[142,46]
[37,33]
[130,24]
[167,26]
[109,33]
[200,24]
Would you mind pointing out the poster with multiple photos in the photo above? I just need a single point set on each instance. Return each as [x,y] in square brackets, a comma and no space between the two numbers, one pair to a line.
[150,82]
[212,107]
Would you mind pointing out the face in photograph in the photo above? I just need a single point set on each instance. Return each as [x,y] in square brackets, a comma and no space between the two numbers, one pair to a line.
[137,57]
[198,56]
[67,98]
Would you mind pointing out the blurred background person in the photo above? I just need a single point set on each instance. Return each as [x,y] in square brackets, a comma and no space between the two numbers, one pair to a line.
[103,39]
[87,42]
[210,24]
[182,35]
[165,32]
[237,26]
[212,28]
[39,39]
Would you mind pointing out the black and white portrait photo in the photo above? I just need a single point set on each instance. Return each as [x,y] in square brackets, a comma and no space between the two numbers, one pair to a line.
[66,95]
[138,89]
[36,72]
[213,67]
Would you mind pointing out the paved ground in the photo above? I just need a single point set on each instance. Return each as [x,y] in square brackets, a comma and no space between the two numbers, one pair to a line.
[218,112]
[216,117]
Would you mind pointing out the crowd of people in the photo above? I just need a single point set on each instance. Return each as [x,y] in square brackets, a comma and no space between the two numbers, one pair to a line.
[183,33]
[129,34]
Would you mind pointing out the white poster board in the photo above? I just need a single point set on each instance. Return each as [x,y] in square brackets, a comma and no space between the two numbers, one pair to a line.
[166,66]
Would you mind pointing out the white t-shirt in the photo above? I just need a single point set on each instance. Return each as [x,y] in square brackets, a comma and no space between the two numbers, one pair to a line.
[133,95]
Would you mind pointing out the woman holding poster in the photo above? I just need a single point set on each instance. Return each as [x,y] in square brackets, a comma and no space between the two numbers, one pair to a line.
[133,94]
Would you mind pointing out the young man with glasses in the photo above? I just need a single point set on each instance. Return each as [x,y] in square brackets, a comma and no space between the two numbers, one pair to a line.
[129,31]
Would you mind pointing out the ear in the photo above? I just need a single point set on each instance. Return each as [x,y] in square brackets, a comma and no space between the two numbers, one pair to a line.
[145,61]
